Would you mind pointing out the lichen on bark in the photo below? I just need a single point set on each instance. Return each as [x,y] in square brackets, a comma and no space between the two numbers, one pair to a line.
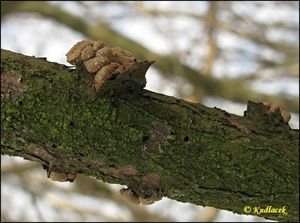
[150,142]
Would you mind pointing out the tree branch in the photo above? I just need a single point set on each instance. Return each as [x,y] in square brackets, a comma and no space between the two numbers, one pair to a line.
[155,144]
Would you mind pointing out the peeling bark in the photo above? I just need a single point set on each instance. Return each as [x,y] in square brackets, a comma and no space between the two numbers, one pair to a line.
[155,144]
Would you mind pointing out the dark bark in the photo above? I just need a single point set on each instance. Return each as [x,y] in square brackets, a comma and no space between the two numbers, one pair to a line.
[155,144]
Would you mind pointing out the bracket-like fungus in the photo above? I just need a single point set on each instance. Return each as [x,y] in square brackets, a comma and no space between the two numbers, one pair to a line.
[129,196]
[59,176]
[258,111]
[134,198]
[276,108]
[62,177]
[74,56]
[100,60]
[107,72]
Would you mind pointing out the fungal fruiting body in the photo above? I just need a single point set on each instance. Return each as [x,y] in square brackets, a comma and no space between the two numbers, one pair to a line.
[276,108]
[100,60]
[263,111]
[136,199]
[129,196]
[61,177]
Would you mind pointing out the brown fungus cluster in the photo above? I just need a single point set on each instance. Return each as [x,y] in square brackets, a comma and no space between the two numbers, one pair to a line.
[132,197]
[102,61]
[271,108]
[258,111]
[62,177]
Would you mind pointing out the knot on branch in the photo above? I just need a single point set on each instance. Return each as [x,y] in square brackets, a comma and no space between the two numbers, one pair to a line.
[107,63]
[12,86]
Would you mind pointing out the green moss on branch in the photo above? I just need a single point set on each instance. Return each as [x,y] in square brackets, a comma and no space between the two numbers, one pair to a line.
[155,144]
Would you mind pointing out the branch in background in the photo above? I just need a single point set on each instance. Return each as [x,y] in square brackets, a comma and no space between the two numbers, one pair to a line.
[211,23]
[140,6]
[256,37]
[276,69]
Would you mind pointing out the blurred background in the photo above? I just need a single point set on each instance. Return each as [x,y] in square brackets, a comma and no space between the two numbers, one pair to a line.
[216,53]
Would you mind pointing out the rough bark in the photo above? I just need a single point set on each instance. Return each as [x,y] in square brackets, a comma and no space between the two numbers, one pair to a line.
[155,144]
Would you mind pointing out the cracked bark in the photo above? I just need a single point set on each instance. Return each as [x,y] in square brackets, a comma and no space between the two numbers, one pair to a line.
[155,144]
